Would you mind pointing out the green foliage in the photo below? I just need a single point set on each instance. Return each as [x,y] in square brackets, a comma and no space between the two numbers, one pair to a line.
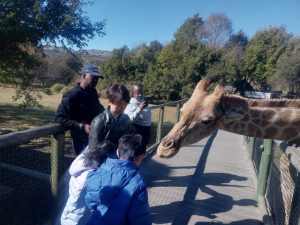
[47,91]
[29,96]
[65,89]
[179,67]
[56,88]
[263,51]
[238,39]
[21,128]
[25,25]
[287,76]
[168,72]
[190,30]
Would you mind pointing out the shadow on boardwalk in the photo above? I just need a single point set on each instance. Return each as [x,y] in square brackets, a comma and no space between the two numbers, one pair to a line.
[181,212]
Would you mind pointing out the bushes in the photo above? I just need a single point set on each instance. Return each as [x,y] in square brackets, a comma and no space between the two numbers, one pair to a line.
[57,88]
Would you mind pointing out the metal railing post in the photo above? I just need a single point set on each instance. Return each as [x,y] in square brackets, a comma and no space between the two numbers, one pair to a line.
[57,165]
[294,213]
[264,167]
[251,145]
[177,112]
[160,124]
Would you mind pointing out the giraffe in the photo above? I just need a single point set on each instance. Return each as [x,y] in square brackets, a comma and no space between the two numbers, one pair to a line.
[205,112]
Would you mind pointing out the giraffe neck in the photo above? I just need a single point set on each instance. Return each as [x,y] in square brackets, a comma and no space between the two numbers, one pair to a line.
[262,119]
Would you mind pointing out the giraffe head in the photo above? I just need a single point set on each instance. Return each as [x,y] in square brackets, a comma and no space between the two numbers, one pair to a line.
[200,117]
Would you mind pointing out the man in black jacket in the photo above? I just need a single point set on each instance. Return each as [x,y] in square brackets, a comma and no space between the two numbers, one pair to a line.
[79,106]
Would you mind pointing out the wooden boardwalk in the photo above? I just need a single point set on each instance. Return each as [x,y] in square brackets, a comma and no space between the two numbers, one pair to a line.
[209,183]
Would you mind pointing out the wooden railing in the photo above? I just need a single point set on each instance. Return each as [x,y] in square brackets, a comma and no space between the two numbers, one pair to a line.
[57,153]
[57,134]
[159,133]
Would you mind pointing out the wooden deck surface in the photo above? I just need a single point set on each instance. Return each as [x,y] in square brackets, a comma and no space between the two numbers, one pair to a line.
[208,183]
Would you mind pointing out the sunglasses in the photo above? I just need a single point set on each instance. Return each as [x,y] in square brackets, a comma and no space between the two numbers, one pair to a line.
[93,76]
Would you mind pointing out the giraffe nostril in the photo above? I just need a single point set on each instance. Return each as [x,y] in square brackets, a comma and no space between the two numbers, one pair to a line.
[169,143]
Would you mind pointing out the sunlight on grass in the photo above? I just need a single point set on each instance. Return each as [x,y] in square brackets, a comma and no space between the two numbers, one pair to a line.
[14,118]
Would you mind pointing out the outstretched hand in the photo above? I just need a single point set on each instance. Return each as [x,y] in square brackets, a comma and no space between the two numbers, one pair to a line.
[87,128]
[143,105]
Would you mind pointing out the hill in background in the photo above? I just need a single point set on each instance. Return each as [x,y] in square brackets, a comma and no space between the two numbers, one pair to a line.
[88,56]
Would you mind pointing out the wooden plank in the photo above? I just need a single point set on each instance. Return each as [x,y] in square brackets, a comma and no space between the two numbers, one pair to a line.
[194,188]
[17,138]
[26,172]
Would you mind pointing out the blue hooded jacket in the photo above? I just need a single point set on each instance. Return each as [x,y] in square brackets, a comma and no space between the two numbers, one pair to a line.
[117,194]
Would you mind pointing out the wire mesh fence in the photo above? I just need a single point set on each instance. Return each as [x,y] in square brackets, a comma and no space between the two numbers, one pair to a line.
[25,195]
[281,192]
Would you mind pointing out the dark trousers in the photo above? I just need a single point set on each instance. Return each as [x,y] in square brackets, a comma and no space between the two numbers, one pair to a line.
[144,131]
[79,145]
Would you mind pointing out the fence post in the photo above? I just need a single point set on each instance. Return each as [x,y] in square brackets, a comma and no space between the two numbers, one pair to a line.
[295,209]
[264,167]
[57,165]
[251,146]
[177,112]
[160,124]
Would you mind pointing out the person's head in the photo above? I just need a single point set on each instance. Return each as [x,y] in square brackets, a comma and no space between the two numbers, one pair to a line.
[118,98]
[90,75]
[96,155]
[131,148]
[138,92]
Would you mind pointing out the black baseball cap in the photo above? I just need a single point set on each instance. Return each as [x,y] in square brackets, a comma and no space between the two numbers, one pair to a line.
[91,69]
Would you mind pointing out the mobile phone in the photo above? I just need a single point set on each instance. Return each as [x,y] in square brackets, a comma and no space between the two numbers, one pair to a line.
[146,100]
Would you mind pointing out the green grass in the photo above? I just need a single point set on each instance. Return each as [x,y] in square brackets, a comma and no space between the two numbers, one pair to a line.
[16,118]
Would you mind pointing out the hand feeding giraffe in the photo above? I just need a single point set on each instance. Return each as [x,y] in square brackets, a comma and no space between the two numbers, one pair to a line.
[204,113]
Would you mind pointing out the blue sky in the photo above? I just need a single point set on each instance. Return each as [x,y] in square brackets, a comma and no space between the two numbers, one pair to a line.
[132,22]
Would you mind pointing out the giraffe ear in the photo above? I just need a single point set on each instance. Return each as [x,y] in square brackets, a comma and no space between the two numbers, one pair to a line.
[203,84]
[219,90]
[232,115]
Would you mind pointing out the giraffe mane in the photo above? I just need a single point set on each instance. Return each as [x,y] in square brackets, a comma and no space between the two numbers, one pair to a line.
[235,99]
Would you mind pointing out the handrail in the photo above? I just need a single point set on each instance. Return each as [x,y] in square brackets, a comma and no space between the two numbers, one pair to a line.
[19,137]
[167,104]
[16,138]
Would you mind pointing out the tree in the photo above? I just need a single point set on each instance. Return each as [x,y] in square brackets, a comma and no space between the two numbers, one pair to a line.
[26,25]
[287,76]
[263,52]
[238,39]
[189,30]
[217,29]
[117,67]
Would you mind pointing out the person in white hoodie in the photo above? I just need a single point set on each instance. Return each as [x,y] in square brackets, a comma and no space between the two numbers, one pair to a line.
[76,211]
[139,113]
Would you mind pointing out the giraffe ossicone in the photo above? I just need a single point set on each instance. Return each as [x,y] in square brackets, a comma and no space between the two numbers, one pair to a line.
[205,112]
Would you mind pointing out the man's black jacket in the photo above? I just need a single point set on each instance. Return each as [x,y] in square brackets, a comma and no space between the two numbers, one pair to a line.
[78,106]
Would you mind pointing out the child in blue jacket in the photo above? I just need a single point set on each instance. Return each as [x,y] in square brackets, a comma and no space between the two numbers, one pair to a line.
[116,193]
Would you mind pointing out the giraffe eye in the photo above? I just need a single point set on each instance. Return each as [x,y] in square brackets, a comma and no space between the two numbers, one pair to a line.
[206,121]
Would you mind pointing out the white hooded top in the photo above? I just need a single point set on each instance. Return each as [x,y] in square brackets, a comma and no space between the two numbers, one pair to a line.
[136,115]
[75,211]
